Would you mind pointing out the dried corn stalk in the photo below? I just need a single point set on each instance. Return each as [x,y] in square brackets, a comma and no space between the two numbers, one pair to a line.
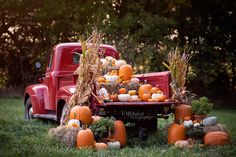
[89,69]
[178,65]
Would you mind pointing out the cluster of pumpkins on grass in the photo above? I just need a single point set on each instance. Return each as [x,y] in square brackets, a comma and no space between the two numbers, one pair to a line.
[119,84]
[186,130]
[79,131]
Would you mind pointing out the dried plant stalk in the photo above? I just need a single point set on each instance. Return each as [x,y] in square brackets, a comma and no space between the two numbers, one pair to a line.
[178,65]
[89,69]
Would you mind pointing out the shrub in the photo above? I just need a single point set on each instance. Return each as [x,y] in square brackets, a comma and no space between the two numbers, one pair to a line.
[202,106]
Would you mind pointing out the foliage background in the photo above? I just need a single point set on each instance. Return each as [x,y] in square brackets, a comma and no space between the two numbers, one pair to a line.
[143,31]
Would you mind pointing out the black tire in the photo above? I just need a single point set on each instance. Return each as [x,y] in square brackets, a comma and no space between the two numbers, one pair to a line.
[150,125]
[62,113]
[28,110]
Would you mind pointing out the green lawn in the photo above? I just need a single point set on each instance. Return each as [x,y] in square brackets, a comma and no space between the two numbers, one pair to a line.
[29,138]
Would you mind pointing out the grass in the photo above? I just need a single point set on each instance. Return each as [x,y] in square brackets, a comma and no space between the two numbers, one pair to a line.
[30,138]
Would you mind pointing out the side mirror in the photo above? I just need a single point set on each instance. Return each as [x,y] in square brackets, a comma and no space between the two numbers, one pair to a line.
[38,65]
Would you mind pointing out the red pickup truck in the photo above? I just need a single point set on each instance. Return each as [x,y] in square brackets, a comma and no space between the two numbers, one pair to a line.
[46,100]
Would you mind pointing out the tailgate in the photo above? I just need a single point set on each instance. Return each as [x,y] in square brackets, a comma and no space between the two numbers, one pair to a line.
[136,110]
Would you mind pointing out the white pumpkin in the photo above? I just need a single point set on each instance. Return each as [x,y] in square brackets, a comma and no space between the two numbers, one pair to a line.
[123,97]
[188,123]
[134,97]
[103,92]
[113,145]
[134,80]
[104,62]
[111,78]
[74,123]
[156,95]
[119,63]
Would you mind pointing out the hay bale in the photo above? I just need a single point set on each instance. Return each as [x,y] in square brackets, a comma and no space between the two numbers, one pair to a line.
[217,127]
[64,134]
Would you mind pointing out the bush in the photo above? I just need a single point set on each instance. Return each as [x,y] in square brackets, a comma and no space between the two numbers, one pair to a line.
[202,106]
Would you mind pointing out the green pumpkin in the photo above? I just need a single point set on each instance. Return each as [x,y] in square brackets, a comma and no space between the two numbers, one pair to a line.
[209,121]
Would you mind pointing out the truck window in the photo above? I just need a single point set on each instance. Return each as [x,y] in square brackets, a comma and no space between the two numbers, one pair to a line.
[76,57]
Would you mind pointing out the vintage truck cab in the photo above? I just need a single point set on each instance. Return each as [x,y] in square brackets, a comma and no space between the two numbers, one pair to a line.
[47,100]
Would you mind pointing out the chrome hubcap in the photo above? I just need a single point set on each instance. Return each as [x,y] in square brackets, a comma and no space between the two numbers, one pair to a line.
[31,112]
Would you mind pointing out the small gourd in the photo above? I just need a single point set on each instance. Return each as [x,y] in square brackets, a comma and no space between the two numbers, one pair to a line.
[100,146]
[96,119]
[182,144]
[154,90]
[132,92]
[188,123]
[134,80]
[114,145]
[74,123]
[195,125]
[209,121]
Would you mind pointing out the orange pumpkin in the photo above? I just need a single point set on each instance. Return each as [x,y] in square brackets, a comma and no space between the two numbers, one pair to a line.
[216,138]
[154,90]
[144,89]
[176,132]
[85,139]
[122,90]
[119,132]
[100,146]
[82,113]
[125,72]
[182,111]
[147,96]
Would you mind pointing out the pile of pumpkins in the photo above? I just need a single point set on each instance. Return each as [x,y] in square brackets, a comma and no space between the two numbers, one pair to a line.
[81,117]
[183,121]
[118,72]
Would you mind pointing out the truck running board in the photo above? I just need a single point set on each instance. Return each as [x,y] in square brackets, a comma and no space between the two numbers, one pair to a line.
[46,116]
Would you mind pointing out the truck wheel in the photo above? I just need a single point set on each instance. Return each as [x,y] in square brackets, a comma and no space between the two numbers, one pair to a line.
[28,110]
[150,125]
[63,113]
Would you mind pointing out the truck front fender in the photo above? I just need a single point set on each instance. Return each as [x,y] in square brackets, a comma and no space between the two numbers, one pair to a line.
[38,95]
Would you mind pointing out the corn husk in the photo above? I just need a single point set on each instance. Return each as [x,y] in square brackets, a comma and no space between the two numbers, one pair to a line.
[178,66]
[88,71]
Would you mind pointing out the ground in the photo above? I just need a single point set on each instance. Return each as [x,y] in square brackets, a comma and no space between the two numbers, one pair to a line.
[30,138]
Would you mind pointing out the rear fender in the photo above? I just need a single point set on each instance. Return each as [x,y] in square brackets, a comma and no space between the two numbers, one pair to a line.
[38,95]
[63,97]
